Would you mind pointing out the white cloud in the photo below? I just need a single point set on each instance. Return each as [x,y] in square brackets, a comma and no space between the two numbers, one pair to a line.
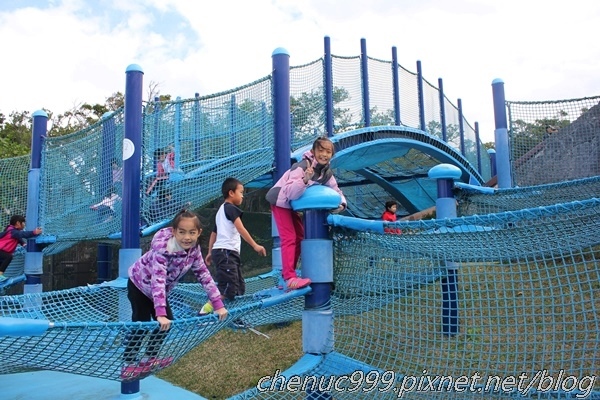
[77,51]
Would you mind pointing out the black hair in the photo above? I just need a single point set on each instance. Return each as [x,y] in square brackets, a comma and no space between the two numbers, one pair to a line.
[229,184]
[185,213]
[319,142]
[17,218]
[390,203]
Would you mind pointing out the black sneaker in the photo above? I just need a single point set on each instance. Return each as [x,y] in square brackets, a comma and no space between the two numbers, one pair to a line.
[239,324]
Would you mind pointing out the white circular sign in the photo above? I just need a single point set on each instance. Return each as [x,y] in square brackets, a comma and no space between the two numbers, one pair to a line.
[128,149]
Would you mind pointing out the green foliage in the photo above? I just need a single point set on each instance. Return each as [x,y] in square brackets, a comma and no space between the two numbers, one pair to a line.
[383,118]
[308,112]
[526,135]
[434,128]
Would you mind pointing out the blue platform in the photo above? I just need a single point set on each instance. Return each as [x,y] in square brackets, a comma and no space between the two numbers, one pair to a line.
[49,385]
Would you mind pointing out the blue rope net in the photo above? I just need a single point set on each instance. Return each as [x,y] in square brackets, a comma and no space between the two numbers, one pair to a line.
[553,141]
[528,301]
[85,332]
[527,269]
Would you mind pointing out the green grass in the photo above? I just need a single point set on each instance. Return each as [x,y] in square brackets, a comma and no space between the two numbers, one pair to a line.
[233,361]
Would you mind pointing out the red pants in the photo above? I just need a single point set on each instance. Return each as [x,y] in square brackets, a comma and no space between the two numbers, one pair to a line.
[291,232]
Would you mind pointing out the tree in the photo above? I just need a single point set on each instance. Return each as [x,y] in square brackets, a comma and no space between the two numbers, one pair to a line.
[526,135]
[15,134]
[308,113]
[384,118]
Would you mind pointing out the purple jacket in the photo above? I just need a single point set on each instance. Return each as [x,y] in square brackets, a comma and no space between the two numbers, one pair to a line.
[291,185]
[157,272]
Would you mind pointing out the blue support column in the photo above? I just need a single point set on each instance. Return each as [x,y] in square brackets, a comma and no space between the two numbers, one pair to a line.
[34,259]
[104,262]
[478,147]
[132,154]
[364,63]
[282,132]
[443,110]
[461,128]
[421,98]
[396,83]
[446,208]
[501,136]
[492,154]
[328,85]
[317,264]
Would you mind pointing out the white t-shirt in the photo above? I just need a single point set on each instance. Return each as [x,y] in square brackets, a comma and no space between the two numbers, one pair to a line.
[228,236]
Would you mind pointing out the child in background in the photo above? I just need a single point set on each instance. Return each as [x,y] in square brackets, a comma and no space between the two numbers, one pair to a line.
[173,252]
[390,215]
[106,207]
[165,164]
[13,235]
[313,169]
[225,242]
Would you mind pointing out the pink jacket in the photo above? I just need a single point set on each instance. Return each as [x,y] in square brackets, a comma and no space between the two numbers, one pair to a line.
[291,185]
[157,272]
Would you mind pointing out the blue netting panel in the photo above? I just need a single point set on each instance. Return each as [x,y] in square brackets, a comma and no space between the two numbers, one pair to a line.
[13,187]
[528,301]
[471,201]
[90,328]
[208,139]
[77,174]
[553,141]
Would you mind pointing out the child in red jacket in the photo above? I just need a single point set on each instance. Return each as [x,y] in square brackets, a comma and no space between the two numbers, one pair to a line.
[390,215]
[13,235]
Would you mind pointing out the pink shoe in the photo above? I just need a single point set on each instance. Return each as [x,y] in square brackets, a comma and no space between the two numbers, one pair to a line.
[133,371]
[297,283]
[157,363]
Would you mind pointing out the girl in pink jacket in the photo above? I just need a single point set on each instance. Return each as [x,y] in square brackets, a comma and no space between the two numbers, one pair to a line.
[313,169]
[173,252]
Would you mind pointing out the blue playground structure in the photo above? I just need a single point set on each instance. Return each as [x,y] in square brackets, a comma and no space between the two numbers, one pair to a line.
[496,295]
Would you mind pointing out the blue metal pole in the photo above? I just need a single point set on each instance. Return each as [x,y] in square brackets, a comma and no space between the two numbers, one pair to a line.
[328,85]
[443,110]
[317,264]
[282,140]
[421,96]
[364,62]
[104,262]
[396,83]
[132,155]
[492,154]
[446,208]
[501,135]
[461,128]
[34,258]
[478,146]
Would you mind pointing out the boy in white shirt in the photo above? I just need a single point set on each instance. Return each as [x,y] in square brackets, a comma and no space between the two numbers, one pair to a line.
[225,242]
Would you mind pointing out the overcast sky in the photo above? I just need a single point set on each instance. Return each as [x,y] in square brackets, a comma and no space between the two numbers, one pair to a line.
[57,54]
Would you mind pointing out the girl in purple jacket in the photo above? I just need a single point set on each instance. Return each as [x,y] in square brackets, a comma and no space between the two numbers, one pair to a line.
[173,252]
[312,170]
